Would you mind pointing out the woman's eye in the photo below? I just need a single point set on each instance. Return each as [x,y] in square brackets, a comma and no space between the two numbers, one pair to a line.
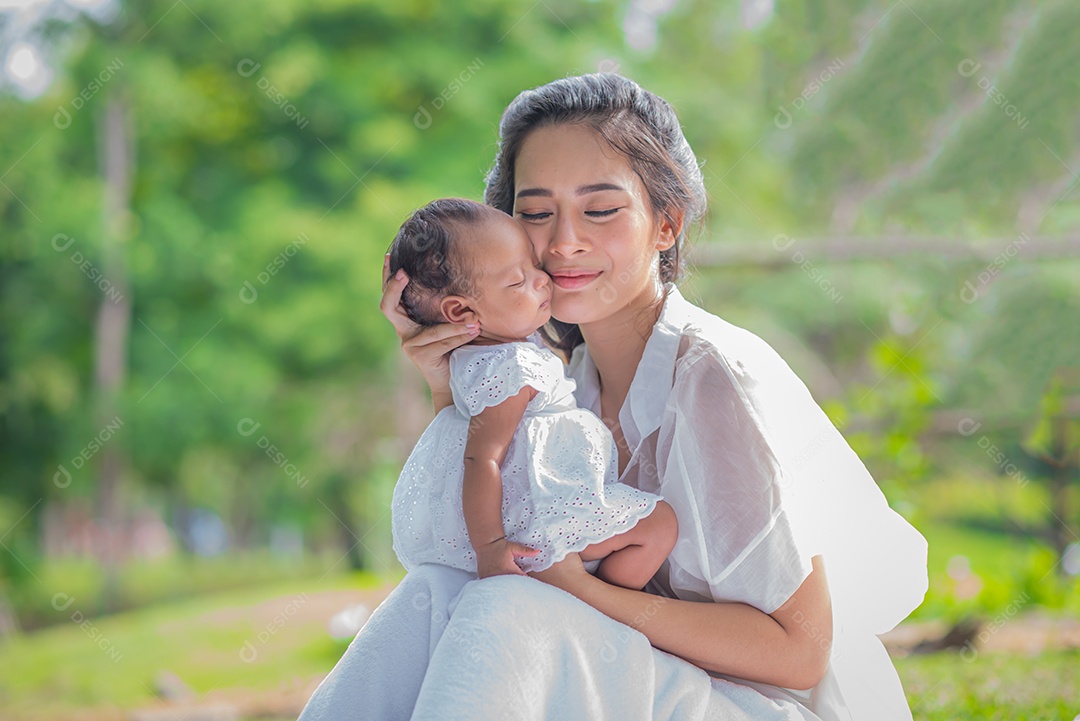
[533,216]
[602,213]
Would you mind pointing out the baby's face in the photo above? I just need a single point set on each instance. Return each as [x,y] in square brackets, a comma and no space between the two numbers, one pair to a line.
[514,293]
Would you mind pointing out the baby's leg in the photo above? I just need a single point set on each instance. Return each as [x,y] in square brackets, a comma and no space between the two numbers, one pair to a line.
[631,558]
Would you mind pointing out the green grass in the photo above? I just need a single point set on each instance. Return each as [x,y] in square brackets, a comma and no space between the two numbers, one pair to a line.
[144,582]
[993,687]
[1006,567]
[989,553]
[113,663]
[958,516]
[990,686]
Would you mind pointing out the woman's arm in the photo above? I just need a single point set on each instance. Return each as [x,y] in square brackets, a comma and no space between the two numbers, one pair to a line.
[490,433]
[428,348]
[788,648]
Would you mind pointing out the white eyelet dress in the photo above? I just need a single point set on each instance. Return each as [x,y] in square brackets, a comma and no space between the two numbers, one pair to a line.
[560,477]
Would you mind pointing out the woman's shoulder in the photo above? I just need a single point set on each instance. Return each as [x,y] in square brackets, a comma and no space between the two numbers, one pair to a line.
[735,368]
[709,343]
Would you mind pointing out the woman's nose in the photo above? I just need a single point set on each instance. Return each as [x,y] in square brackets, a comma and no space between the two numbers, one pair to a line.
[566,238]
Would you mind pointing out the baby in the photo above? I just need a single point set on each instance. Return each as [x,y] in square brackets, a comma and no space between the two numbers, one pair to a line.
[513,476]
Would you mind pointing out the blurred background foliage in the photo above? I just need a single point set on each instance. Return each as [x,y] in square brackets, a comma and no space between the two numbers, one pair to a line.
[195,200]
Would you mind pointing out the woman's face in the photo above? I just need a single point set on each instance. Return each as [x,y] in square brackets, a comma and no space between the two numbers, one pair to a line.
[588,216]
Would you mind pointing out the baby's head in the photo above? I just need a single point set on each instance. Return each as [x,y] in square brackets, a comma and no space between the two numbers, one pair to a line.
[470,263]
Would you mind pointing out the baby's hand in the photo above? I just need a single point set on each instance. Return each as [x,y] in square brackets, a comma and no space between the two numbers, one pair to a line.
[497,558]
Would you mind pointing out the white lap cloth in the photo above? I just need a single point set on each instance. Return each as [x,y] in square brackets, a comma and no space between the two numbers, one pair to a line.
[561,491]
[510,648]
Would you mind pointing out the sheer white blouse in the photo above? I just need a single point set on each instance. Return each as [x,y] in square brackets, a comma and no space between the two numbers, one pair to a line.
[761,481]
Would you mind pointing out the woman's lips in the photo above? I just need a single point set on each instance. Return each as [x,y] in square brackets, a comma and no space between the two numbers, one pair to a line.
[572,280]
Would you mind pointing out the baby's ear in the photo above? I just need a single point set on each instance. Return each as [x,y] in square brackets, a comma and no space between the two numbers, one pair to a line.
[456,309]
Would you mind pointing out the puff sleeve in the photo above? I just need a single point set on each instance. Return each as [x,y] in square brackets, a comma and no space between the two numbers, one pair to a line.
[486,376]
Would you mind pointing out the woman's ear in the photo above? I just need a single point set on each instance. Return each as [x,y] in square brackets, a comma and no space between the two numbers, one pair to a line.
[456,309]
[670,227]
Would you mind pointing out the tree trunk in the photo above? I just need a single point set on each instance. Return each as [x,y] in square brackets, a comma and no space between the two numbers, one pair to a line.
[349,531]
[9,622]
[1062,470]
[112,329]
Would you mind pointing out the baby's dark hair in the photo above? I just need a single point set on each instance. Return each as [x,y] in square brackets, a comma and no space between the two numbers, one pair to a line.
[429,247]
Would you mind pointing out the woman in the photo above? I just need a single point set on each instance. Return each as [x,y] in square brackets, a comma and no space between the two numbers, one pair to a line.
[789,559]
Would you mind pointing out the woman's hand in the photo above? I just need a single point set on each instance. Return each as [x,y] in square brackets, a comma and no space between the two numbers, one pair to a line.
[568,574]
[427,348]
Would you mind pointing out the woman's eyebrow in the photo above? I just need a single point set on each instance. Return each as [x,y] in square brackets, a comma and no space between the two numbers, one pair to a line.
[596,188]
[580,190]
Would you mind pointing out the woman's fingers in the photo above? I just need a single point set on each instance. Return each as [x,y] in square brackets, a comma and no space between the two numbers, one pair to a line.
[428,348]
[438,340]
[390,304]
[428,343]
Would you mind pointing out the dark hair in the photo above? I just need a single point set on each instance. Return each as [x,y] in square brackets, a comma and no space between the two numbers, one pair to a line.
[638,124]
[429,248]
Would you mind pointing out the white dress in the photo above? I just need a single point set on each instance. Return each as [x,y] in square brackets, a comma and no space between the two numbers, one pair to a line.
[761,482]
[560,476]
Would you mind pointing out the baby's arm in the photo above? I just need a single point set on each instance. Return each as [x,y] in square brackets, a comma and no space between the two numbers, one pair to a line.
[490,433]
